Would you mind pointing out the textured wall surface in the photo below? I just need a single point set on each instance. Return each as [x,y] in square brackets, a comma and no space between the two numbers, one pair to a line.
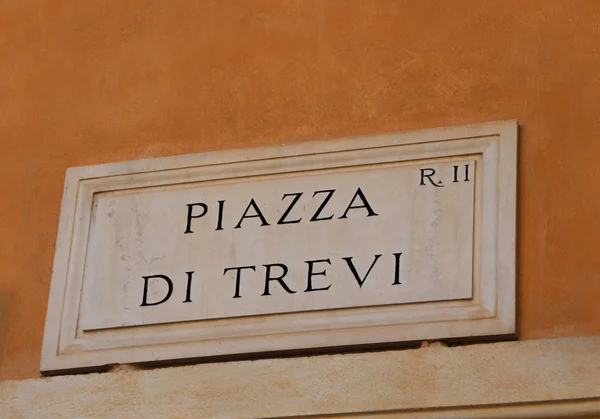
[555,370]
[92,82]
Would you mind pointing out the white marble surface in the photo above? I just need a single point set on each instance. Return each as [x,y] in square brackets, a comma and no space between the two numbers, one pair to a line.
[418,239]
[123,226]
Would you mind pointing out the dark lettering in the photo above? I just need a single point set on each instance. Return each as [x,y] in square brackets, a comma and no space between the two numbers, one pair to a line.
[397,271]
[190,210]
[269,278]
[439,184]
[282,220]
[355,273]
[238,277]
[220,217]
[311,273]
[188,292]
[257,214]
[365,204]
[145,296]
[456,173]
[329,193]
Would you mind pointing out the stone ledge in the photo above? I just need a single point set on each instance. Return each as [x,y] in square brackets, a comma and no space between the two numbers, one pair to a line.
[525,373]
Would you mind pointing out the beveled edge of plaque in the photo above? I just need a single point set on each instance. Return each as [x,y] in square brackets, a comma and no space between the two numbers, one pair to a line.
[490,313]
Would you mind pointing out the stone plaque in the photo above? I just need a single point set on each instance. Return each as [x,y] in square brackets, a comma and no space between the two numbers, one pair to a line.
[380,239]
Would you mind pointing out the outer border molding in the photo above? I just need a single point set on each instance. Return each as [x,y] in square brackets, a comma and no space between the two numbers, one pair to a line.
[491,311]
[534,379]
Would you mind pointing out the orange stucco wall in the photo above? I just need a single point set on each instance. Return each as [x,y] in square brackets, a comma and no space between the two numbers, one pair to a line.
[86,82]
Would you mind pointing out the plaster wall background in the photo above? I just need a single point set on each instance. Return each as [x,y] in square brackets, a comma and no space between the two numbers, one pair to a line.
[93,82]
[554,378]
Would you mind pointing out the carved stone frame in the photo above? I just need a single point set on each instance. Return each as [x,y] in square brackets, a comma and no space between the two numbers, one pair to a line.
[491,311]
